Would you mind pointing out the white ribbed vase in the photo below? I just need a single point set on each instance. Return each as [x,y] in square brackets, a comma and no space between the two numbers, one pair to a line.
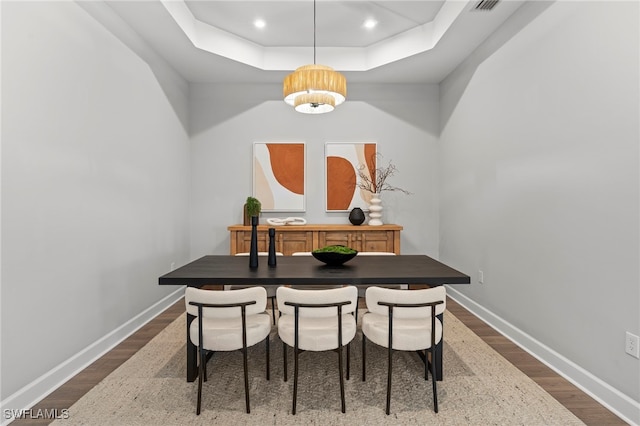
[375,210]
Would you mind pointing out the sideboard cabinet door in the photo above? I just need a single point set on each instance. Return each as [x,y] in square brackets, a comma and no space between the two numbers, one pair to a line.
[291,242]
[378,241]
[242,240]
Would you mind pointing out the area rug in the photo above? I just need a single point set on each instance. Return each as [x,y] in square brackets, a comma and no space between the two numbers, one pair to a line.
[480,387]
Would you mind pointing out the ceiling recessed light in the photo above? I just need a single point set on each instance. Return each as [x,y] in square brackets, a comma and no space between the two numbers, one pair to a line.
[259,23]
[370,23]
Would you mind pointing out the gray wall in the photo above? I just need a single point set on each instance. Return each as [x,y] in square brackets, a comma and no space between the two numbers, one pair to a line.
[95,189]
[402,120]
[540,185]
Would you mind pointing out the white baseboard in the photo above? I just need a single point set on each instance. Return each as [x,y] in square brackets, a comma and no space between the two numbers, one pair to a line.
[614,400]
[38,389]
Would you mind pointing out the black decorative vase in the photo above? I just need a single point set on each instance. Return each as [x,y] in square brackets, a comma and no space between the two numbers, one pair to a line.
[253,250]
[356,217]
[272,248]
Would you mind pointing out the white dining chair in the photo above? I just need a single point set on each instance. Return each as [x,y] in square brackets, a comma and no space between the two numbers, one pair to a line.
[227,321]
[404,321]
[316,320]
[271,289]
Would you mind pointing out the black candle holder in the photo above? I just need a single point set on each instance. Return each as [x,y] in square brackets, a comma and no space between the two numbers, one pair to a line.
[272,248]
[253,250]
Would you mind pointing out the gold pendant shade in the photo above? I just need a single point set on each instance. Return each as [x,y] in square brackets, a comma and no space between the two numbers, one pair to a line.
[315,89]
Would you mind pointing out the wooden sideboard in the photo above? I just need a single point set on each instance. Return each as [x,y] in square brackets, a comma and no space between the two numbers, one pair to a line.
[293,238]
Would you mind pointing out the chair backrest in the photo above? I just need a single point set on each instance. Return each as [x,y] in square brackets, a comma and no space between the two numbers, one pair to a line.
[257,294]
[427,295]
[376,253]
[260,253]
[334,295]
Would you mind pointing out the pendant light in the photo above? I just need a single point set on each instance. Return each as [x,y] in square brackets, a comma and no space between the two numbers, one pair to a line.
[314,89]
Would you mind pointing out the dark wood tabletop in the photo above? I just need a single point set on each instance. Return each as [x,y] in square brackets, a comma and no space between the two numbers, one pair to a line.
[300,270]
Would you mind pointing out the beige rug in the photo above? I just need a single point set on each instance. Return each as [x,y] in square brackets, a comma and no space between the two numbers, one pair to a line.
[479,388]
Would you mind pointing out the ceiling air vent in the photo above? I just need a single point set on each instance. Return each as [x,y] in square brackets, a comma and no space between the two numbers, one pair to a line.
[486,4]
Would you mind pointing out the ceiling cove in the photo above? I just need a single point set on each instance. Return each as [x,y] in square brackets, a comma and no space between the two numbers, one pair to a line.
[413,41]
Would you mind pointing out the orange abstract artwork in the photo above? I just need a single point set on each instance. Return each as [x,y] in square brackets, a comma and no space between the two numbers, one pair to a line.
[341,179]
[287,164]
[341,170]
[279,176]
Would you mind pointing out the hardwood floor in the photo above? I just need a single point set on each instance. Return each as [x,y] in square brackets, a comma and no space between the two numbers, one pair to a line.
[579,403]
[583,406]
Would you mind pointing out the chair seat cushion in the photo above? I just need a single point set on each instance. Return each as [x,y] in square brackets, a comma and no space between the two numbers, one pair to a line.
[316,334]
[225,334]
[409,334]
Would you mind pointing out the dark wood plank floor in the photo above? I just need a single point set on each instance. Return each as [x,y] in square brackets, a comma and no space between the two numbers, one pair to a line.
[579,403]
[583,406]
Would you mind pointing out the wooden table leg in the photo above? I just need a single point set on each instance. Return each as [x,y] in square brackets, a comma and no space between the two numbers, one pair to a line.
[192,354]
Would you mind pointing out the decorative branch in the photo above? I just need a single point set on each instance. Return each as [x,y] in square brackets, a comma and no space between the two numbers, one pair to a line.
[376,181]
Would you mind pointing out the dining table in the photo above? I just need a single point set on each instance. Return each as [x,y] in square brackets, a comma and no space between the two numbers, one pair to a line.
[306,270]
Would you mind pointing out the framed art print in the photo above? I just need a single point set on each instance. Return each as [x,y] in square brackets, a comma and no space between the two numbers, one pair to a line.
[279,175]
[342,160]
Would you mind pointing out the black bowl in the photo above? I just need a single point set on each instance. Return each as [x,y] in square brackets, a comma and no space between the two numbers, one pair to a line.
[333,258]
